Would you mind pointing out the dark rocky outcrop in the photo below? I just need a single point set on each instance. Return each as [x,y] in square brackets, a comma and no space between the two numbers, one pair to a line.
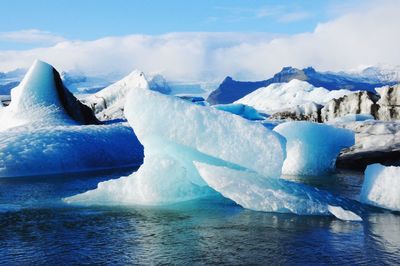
[376,142]
[360,160]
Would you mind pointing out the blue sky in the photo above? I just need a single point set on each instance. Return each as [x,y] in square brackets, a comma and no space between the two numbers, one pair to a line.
[199,40]
[92,19]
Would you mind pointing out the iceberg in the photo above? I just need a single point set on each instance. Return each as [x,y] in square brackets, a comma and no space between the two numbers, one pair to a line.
[175,133]
[312,148]
[255,192]
[381,187]
[46,130]
[109,103]
[161,180]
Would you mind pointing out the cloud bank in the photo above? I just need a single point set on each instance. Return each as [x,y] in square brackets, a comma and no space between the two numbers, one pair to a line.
[366,36]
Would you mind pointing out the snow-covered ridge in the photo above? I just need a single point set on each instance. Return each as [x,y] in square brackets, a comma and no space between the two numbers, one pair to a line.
[109,102]
[280,96]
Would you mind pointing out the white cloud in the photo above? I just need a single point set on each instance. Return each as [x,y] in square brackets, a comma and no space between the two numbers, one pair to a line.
[294,16]
[365,37]
[31,36]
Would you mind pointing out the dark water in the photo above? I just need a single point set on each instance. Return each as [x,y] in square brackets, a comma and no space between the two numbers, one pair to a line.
[37,228]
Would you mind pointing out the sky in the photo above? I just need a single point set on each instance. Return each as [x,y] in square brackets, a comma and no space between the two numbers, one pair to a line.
[194,40]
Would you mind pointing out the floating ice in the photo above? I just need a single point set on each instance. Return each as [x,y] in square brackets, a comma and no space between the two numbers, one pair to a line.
[44,131]
[161,180]
[194,130]
[252,191]
[381,187]
[41,98]
[178,132]
[242,110]
[65,149]
[312,148]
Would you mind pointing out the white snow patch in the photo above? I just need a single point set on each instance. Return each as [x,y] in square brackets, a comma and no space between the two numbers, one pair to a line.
[282,96]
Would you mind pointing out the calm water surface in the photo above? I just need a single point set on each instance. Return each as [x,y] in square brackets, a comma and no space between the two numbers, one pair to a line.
[36,227]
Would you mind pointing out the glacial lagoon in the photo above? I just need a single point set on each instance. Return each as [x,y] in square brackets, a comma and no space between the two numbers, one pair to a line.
[37,227]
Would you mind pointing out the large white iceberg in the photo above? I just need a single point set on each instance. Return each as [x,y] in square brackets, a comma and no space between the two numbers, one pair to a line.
[283,96]
[46,130]
[255,192]
[178,132]
[190,147]
[312,148]
[381,187]
[193,131]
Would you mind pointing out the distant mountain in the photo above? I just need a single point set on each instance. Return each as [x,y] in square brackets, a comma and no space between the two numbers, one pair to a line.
[9,80]
[231,90]
[160,84]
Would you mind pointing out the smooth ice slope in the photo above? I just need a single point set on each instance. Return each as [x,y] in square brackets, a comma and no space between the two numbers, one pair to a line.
[258,193]
[312,148]
[161,180]
[281,96]
[242,110]
[199,129]
[179,132]
[109,103]
[381,187]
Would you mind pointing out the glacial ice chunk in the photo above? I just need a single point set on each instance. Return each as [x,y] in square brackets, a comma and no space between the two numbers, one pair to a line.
[159,118]
[381,187]
[252,191]
[45,130]
[312,148]
[175,133]
[161,180]
[65,149]
[41,99]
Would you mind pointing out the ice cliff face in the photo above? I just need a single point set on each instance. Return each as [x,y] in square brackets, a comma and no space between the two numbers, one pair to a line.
[389,103]
[357,103]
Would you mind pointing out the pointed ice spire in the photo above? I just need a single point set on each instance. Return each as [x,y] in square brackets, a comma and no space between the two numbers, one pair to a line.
[42,88]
